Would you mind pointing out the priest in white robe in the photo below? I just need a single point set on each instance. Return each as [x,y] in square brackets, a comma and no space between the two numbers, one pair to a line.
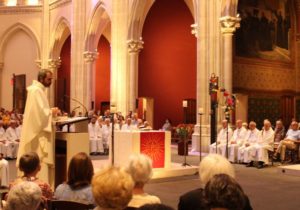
[95,136]
[237,140]
[2,139]
[38,131]
[251,138]
[222,139]
[265,143]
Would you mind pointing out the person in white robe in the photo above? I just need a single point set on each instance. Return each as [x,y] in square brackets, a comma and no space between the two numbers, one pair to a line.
[2,139]
[12,140]
[259,151]
[38,128]
[236,141]
[95,136]
[4,172]
[106,135]
[222,139]
[251,138]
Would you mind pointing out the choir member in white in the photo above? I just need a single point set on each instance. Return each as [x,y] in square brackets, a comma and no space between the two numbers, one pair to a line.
[237,140]
[95,136]
[258,151]
[251,138]
[12,140]
[106,134]
[222,139]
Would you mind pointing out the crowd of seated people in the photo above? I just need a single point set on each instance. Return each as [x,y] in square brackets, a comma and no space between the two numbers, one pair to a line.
[123,188]
[252,146]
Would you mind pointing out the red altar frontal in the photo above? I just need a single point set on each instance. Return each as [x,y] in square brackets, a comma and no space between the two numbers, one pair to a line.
[155,144]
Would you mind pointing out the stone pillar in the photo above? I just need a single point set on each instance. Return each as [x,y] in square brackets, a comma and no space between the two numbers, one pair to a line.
[89,58]
[119,55]
[78,68]
[228,27]
[134,47]
[53,65]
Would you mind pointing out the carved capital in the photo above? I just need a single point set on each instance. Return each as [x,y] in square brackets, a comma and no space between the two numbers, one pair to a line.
[194,29]
[38,63]
[54,63]
[135,46]
[229,24]
[90,56]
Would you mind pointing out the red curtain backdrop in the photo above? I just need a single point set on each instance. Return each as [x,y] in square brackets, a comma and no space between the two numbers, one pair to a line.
[63,77]
[102,73]
[153,145]
[167,64]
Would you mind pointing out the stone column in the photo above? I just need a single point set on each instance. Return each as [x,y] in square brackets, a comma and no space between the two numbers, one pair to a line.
[228,27]
[1,67]
[78,67]
[53,65]
[119,55]
[134,47]
[89,58]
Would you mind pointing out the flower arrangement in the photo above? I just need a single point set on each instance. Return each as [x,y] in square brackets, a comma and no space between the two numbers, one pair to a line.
[183,130]
[229,103]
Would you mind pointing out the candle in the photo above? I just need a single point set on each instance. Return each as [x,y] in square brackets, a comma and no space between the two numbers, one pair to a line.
[200,110]
[184,103]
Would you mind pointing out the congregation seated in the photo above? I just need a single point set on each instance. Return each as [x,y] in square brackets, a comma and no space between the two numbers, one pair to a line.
[250,140]
[236,141]
[224,192]
[224,134]
[279,132]
[258,151]
[112,188]
[78,186]
[26,195]
[140,169]
[211,165]
[128,126]
[157,206]
[29,164]
[292,135]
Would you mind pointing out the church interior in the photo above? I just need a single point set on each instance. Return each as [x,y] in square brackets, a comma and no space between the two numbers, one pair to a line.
[193,63]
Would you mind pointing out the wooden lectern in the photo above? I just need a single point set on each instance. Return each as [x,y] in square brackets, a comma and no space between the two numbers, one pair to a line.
[68,144]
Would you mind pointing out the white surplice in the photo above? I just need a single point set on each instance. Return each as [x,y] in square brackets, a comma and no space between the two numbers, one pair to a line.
[251,138]
[222,138]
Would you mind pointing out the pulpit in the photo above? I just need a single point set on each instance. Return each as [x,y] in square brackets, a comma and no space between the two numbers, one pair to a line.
[155,144]
[68,144]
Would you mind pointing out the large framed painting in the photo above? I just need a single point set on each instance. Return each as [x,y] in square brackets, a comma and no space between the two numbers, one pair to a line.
[265,30]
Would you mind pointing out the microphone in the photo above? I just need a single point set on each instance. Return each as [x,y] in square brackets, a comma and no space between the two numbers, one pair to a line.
[76,100]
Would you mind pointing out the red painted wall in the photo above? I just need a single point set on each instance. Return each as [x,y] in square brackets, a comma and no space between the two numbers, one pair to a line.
[63,77]
[102,73]
[167,64]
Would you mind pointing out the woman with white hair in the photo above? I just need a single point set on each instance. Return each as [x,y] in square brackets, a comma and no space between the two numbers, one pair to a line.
[26,195]
[210,165]
[140,168]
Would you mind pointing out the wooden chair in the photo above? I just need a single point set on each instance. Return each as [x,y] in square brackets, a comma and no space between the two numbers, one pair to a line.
[68,205]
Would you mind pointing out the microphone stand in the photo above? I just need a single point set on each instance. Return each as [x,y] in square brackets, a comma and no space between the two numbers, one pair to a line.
[76,100]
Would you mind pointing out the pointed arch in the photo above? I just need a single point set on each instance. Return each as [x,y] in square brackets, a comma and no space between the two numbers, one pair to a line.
[139,12]
[99,24]
[13,30]
[61,33]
